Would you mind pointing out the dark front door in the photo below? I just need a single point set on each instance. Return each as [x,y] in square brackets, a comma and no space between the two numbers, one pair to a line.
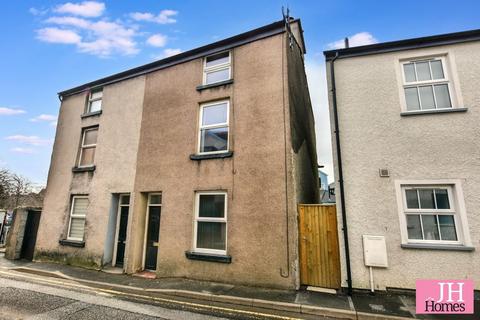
[153,230]
[30,235]
[122,235]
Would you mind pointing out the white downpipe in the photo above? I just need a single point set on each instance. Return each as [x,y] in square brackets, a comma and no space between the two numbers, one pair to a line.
[372,288]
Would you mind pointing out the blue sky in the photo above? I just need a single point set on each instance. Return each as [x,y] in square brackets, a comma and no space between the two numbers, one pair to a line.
[48,46]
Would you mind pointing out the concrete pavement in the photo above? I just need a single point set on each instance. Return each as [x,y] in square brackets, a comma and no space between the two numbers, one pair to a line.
[230,300]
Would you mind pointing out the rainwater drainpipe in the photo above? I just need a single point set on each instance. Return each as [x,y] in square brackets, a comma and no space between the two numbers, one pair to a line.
[340,173]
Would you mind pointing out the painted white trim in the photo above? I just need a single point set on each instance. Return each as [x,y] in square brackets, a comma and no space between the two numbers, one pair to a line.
[457,202]
[146,226]
[219,67]
[449,72]
[87,146]
[117,227]
[84,216]
[204,219]
[213,126]
[90,100]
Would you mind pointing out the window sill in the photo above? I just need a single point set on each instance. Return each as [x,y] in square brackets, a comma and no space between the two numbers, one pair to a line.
[84,169]
[420,112]
[72,243]
[198,157]
[208,257]
[450,247]
[91,114]
[214,85]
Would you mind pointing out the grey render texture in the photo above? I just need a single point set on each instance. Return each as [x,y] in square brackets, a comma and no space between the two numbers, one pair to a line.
[428,147]
[147,134]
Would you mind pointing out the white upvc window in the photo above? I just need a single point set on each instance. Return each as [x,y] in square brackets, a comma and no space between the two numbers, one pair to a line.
[432,212]
[88,147]
[217,68]
[95,101]
[78,212]
[426,84]
[210,234]
[213,134]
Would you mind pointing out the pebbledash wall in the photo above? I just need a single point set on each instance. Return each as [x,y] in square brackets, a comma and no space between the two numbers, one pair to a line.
[148,130]
[437,149]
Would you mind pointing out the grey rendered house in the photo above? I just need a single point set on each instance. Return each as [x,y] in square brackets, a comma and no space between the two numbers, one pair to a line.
[406,141]
[191,166]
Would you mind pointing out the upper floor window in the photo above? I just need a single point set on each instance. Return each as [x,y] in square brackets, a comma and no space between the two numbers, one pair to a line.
[88,146]
[213,135]
[217,68]
[426,84]
[95,101]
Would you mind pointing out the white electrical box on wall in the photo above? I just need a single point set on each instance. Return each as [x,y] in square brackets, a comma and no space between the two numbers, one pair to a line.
[375,251]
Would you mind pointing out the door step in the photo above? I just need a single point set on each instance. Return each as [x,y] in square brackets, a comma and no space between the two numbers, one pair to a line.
[322,290]
[146,274]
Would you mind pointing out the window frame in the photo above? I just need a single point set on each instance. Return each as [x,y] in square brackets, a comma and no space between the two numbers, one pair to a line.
[89,146]
[213,126]
[432,82]
[90,100]
[197,219]
[457,210]
[84,216]
[222,66]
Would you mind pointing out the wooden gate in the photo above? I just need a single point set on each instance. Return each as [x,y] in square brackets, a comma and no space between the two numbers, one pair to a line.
[319,253]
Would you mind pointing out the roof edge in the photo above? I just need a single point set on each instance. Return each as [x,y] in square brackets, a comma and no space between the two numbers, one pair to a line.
[225,44]
[406,44]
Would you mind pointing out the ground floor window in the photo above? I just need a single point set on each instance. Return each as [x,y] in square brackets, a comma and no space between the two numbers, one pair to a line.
[78,212]
[432,212]
[211,222]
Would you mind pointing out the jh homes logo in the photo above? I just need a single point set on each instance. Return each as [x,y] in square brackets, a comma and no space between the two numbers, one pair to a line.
[444,296]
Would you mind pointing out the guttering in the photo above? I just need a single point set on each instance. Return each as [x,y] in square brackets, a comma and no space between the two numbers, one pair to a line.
[340,174]
[222,45]
[407,44]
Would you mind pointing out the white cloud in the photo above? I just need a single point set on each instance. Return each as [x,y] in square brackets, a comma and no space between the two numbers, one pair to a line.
[55,35]
[358,39]
[37,12]
[171,52]
[157,40]
[317,84]
[23,150]
[10,112]
[104,37]
[85,9]
[44,117]
[70,21]
[51,119]
[164,17]
[30,140]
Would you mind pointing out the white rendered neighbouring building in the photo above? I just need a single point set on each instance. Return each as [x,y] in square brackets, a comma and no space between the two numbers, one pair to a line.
[405,128]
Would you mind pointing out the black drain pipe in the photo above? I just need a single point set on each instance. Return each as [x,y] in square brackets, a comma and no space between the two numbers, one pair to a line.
[340,174]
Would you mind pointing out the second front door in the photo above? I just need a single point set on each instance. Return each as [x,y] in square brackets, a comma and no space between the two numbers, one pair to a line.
[153,230]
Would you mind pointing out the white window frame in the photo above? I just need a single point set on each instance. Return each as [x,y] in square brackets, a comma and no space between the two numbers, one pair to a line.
[222,66]
[210,219]
[213,126]
[91,100]
[457,209]
[72,215]
[117,227]
[87,146]
[416,84]
[146,223]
